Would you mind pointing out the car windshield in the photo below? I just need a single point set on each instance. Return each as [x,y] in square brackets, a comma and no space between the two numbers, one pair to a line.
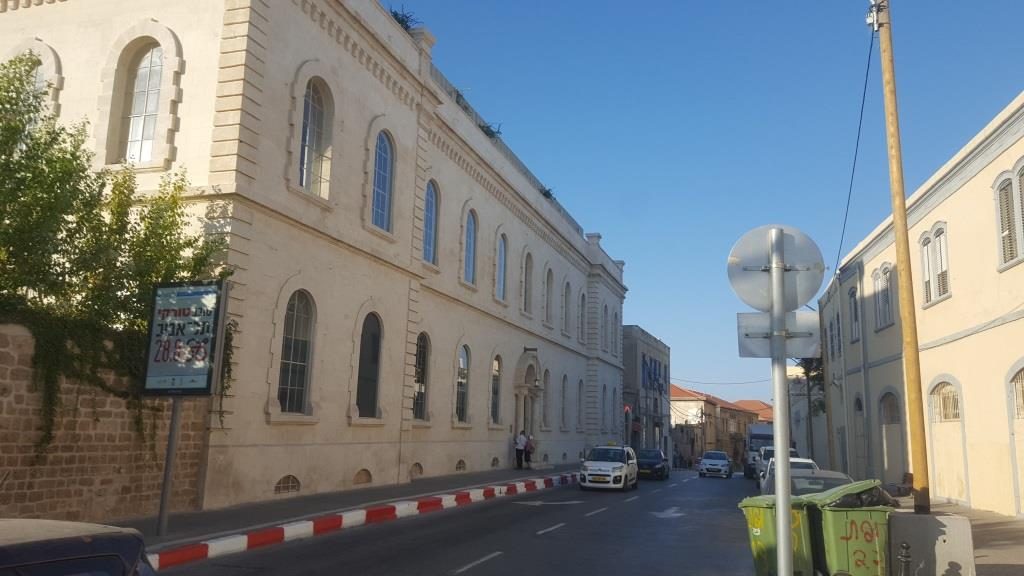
[649,454]
[606,455]
[715,456]
[756,442]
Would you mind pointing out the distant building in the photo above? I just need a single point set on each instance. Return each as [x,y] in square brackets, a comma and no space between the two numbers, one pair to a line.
[765,414]
[703,422]
[645,389]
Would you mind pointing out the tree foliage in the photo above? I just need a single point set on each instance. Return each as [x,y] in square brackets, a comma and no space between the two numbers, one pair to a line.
[814,373]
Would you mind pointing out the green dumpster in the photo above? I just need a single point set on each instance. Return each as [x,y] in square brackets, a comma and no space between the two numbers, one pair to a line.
[851,529]
[760,514]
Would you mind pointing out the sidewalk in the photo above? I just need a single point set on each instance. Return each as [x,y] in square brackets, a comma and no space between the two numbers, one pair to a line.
[191,527]
[998,540]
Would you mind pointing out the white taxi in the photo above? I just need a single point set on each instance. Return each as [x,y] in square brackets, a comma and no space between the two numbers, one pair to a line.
[609,467]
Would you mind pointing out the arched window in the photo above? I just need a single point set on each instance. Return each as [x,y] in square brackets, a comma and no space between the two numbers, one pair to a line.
[854,316]
[890,409]
[941,264]
[462,386]
[604,328]
[419,399]
[383,176]
[579,405]
[496,390]
[501,268]
[549,297]
[564,406]
[566,308]
[546,413]
[945,403]
[583,317]
[615,334]
[469,257]
[528,283]
[296,353]
[143,105]
[1008,233]
[314,154]
[369,368]
[1018,394]
[430,209]
[883,296]
[926,268]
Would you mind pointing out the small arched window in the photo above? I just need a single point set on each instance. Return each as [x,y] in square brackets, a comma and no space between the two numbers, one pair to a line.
[501,268]
[549,297]
[420,378]
[430,209]
[314,155]
[890,409]
[469,256]
[367,390]
[296,353]
[383,181]
[496,390]
[583,318]
[528,283]
[143,104]
[462,386]
[945,403]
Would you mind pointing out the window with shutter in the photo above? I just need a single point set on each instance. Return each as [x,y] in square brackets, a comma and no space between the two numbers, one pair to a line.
[1018,394]
[1007,222]
[926,268]
[941,264]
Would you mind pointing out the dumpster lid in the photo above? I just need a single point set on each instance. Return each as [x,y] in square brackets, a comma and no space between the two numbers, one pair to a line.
[830,497]
[768,501]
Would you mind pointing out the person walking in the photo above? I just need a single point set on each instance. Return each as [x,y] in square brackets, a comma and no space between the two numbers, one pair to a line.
[520,443]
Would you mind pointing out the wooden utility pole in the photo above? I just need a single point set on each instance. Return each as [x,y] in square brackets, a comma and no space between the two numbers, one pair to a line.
[880,18]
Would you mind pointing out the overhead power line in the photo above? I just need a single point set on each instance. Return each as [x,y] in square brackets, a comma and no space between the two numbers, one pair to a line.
[704,383]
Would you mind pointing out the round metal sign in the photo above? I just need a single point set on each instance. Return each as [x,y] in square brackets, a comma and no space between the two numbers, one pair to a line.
[749,262]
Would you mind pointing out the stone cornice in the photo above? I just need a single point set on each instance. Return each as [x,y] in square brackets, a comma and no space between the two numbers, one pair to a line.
[15,5]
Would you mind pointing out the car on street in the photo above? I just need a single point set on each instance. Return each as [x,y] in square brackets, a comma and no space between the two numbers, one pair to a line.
[53,547]
[808,481]
[652,463]
[794,464]
[764,455]
[715,463]
[609,467]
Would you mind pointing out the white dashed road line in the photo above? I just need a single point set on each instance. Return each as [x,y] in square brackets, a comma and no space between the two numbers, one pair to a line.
[630,499]
[552,528]
[656,490]
[478,562]
[673,485]
[598,511]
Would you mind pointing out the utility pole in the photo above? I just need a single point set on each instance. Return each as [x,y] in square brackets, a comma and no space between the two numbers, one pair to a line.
[880,18]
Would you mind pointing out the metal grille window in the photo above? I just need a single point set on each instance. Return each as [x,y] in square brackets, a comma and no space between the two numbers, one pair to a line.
[462,386]
[369,368]
[1018,394]
[502,268]
[854,316]
[528,284]
[941,264]
[144,95]
[430,224]
[926,268]
[469,268]
[890,409]
[296,348]
[314,161]
[1007,221]
[549,296]
[496,390]
[945,403]
[287,484]
[383,168]
[419,399]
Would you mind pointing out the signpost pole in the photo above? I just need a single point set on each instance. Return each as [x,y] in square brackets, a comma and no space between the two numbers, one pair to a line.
[783,533]
[172,448]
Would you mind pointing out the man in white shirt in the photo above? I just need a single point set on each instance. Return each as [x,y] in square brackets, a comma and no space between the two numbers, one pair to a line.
[520,448]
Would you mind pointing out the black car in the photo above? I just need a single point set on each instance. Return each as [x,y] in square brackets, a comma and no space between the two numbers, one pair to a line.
[55,548]
[652,463]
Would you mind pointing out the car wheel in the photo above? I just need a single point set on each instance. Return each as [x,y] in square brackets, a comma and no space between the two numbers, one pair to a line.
[636,483]
[701,474]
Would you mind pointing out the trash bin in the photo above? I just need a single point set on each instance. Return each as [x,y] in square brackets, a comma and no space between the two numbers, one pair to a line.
[760,514]
[850,527]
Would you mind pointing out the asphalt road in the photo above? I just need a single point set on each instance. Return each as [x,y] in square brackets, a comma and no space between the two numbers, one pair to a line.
[683,526]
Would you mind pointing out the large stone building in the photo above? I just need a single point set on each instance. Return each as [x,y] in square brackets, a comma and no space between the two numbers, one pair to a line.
[407,293]
[712,423]
[967,243]
[645,389]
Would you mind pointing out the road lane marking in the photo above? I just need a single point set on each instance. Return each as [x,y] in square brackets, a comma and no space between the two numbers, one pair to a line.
[490,556]
[630,499]
[552,528]
[673,485]
[656,490]
[672,512]
[598,511]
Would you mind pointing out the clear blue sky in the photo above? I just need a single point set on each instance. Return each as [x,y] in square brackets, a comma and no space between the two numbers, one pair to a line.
[672,127]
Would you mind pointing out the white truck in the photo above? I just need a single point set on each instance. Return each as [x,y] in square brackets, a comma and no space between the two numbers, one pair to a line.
[758,435]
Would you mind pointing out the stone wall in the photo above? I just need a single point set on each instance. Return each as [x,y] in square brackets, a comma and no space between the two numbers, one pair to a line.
[98,467]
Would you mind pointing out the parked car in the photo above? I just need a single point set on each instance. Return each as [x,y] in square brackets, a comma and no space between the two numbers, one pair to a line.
[715,463]
[765,454]
[794,464]
[652,463]
[53,547]
[609,467]
[807,481]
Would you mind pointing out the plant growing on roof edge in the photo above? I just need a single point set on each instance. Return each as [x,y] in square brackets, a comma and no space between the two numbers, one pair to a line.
[406,19]
[490,130]
[547,193]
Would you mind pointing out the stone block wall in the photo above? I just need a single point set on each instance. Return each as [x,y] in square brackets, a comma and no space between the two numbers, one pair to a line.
[98,468]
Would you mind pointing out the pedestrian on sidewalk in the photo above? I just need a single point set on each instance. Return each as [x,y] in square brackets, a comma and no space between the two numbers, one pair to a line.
[520,442]
[530,446]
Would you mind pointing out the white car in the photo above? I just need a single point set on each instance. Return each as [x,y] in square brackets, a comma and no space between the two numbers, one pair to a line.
[765,455]
[794,464]
[715,463]
[609,467]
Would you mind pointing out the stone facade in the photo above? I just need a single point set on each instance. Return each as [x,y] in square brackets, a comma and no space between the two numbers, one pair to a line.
[965,232]
[98,467]
[713,423]
[646,361]
[375,319]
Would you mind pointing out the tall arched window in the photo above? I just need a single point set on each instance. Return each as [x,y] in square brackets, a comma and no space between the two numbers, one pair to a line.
[462,386]
[369,368]
[546,412]
[314,156]
[604,328]
[296,353]
[941,264]
[420,378]
[383,176]
[926,268]
[496,390]
[945,403]
[583,317]
[549,297]
[469,257]
[854,316]
[1008,233]
[579,405]
[564,406]
[501,268]
[883,296]
[1018,394]
[430,205]
[890,409]
[143,105]
[528,283]
[566,308]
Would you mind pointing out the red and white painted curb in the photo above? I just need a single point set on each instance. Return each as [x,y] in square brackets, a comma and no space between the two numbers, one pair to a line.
[235,543]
